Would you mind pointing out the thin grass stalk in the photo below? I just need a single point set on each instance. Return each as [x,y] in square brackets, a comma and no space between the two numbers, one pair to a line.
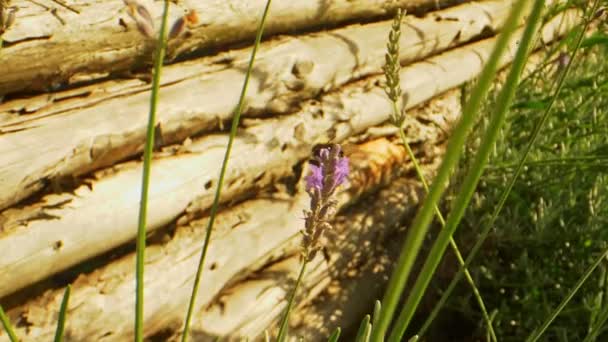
[282,335]
[335,336]
[472,178]
[453,244]
[420,226]
[8,327]
[538,332]
[218,191]
[505,194]
[63,309]
[393,91]
[145,183]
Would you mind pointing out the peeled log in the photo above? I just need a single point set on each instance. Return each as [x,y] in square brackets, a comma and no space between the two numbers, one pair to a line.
[50,232]
[42,53]
[247,236]
[70,133]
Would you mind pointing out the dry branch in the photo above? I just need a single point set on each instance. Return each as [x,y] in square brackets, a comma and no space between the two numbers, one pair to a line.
[63,229]
[60,135]
[45,49]
[248,236]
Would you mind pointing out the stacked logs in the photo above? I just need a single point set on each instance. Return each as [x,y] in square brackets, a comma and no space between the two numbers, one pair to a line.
[72,127]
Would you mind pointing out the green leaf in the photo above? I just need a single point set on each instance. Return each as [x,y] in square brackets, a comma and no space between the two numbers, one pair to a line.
[598,38]
[376,314]
[532,104]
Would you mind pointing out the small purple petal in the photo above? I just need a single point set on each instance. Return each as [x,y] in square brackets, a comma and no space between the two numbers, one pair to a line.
[341,171]
[315,179]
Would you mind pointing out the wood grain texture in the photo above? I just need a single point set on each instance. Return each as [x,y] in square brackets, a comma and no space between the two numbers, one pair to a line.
[50,137]
[50,231]
[47,49]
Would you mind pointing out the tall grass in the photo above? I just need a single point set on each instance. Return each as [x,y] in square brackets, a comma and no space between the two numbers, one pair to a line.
[421,223]
[145,182]
[218,191]
[572,142]
[391,70]
[470,181]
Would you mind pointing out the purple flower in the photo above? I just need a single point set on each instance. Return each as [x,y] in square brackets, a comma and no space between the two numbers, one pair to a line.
[315,179]
[341,171]
[328,170]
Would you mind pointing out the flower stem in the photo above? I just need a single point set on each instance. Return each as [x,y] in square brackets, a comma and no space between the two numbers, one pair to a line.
[283,327]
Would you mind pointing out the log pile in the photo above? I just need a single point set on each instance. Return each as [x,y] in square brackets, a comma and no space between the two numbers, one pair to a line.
[72,127]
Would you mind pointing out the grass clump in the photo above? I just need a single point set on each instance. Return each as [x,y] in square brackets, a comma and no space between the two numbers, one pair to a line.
[552,226]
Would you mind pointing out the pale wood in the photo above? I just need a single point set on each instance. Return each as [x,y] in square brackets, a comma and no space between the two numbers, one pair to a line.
[70,133]
[63,229]
[41,52]
[248,236]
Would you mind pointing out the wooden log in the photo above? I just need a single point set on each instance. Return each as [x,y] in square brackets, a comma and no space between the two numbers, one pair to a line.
[44,50]
[55,136]
[50,231]
[248,236]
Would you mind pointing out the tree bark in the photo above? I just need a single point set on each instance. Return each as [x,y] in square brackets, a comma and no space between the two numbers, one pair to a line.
[46,49]
[54,137]
[50,231]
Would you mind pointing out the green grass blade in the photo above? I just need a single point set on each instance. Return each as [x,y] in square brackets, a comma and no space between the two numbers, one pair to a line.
[537,334]
[453,244]
[218,191]
[376,314]
[145,183]
[8,327]
[283,326]
[470,182]
[62,314]
[505,194]
[364,330]
[335,336]
[420,226]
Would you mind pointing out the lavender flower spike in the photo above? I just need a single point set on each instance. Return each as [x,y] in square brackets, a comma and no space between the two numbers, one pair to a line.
[328,170]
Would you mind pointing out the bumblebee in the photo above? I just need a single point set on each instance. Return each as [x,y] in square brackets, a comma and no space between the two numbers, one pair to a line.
[316,149]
